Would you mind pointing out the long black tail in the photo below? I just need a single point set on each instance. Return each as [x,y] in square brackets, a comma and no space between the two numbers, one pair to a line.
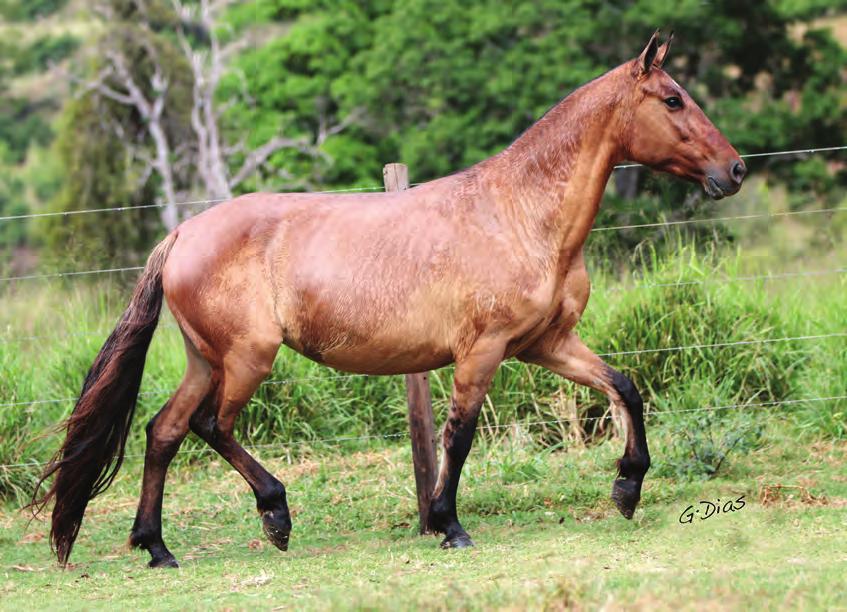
[98,427]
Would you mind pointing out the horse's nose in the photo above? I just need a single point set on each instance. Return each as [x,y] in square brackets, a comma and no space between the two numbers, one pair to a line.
[737,171]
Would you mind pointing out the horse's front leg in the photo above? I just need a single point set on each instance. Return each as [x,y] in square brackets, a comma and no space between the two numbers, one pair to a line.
[566,355]
[470,384]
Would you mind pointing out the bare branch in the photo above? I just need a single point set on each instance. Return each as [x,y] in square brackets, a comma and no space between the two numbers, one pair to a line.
[259,156]
[99,85]
[325,132]
[237,148]
[234,48]
[149,165]
[135,95]
[110,93]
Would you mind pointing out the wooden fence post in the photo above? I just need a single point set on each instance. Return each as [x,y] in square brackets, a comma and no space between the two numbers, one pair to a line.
[421,422]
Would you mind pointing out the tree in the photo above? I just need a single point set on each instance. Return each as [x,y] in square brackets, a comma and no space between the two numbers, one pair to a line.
[96,168]
[294,95]
[170,95]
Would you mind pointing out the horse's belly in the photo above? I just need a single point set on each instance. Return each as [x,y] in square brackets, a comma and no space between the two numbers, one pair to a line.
[379,354]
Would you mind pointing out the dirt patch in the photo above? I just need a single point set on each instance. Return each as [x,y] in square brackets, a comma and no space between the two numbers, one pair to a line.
[794,495]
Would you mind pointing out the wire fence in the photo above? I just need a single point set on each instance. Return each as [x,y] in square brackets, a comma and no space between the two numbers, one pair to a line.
[72,273]
[375,188]
[516,425]
[767,277]
[336,377]
[663,223]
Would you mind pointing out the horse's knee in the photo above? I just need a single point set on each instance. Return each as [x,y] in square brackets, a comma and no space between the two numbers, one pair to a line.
[156,433]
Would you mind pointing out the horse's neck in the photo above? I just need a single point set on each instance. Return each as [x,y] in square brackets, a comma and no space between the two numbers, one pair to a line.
[551,180]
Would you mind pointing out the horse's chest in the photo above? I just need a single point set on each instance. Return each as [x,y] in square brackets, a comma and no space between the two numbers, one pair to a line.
[561,306]
[573,296]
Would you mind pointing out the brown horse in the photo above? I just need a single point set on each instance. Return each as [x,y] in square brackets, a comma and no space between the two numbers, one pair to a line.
[469,269]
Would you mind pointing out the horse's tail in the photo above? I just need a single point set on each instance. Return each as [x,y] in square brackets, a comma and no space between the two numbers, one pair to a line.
[98,427]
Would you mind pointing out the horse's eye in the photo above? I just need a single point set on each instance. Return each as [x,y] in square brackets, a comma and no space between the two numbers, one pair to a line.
[673,102]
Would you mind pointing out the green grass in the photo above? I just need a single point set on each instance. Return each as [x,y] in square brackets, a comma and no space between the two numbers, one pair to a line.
[547,538]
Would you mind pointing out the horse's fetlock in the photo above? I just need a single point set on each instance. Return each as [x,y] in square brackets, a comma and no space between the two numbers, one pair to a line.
[272,498]
[633,466]
[440,515]
[143,537]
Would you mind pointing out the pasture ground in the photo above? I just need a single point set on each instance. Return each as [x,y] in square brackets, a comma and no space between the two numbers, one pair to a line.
[547,538]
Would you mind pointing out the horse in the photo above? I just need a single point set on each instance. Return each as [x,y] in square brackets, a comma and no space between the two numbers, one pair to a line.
[471,269]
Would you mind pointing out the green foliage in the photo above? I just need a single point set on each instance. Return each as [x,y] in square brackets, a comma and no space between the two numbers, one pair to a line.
[96,175]
[11,204]
[685,300]
[43,52]
[446,85]
[20,127]
[440,86]
[28,10]
[701,440]
[98,144]
[290,82]
[827,369]
[806,9]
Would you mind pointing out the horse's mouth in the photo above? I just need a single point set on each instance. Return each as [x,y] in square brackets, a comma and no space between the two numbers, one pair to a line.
[714,191]
[718,190]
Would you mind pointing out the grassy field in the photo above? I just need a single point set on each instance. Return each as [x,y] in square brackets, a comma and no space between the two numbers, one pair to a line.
[547,538]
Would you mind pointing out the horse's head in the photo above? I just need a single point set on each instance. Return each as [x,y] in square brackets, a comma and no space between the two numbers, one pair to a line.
[667,130]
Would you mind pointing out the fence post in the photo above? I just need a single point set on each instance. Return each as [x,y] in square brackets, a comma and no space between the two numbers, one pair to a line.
[421,422]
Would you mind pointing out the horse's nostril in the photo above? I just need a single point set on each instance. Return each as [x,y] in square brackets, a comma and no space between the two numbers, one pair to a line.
[737,171]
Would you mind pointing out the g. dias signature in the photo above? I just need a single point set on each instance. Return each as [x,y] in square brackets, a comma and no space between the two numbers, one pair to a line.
[706,509]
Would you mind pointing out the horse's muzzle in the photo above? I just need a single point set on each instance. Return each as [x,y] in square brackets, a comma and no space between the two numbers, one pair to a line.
[717,186]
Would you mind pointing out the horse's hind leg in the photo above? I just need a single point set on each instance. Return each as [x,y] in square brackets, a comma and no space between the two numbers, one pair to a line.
[214,423]
[165,433]
[569,357]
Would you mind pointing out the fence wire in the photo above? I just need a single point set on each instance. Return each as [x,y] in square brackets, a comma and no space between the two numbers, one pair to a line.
[72,273]
[296,380]
[807,151]
[516,425]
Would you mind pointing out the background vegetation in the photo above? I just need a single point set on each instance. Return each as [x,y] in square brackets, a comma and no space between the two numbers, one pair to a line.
[355,84]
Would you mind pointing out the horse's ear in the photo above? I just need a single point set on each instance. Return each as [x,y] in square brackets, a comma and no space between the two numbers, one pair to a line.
[662,54]
[645,60]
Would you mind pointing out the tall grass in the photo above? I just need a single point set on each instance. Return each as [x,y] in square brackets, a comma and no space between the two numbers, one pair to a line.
[52,333]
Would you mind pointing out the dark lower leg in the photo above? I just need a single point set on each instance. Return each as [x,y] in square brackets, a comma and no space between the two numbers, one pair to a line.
[270,493]
[443,516]
[470,384]
[626,490]
[147,528]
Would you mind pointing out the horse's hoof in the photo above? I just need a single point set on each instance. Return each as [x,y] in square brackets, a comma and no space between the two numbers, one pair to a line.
[625,494]
[277,527]
[168,561]
[460,541]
